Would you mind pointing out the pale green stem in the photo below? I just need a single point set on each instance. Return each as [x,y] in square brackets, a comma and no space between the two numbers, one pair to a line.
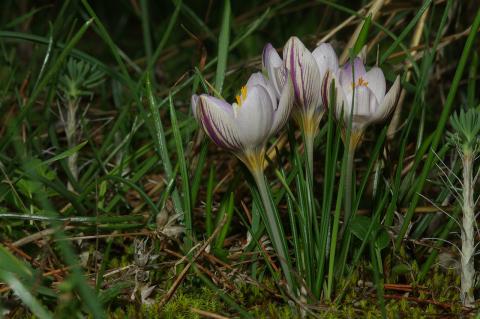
[348,183]
[273,225]
[468,233]
[309,151]
[310,218]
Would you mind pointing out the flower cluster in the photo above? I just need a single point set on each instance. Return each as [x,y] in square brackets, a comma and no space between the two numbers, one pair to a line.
[298,82]
[301,82]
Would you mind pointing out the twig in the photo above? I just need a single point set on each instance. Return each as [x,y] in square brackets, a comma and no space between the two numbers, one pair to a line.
[404,287]
[36,236]
[342,25]
[207,314]
[201,268]
[374,9]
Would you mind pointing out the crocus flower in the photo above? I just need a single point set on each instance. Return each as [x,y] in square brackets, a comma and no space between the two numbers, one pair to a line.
[361,98]
[245,126]
[309,71]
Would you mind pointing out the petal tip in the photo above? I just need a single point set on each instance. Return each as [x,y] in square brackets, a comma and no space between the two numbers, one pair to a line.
[194,104]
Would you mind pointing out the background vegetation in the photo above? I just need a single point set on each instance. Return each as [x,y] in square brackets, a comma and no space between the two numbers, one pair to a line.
[112,204]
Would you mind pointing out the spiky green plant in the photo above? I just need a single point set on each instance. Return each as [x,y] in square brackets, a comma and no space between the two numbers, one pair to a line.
[77,81]
[465,136]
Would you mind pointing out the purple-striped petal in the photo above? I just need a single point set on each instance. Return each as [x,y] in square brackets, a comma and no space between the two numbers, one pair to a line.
[304,73]
[327,82]
[216,117]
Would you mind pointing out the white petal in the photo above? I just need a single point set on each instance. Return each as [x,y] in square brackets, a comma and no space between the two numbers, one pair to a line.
[194,104]
[364,105]
[285,105]
[305,75]
[216,118]
[376,82]
[273,65]
[389,101]
[258,79]
[254,117]
[326,59]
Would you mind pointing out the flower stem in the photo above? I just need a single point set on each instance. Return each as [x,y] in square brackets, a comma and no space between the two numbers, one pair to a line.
[311,225]
[468,244]
[348,182]
[309,151]
[273,225]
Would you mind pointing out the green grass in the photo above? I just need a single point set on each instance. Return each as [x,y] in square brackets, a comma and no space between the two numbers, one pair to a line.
[67,241]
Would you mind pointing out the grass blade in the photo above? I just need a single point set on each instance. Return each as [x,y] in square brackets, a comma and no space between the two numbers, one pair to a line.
[187,210]
[24,294]
[161,143]
[223,42]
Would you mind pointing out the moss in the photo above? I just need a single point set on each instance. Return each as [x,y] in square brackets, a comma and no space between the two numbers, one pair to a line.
[180,306]
[358,302]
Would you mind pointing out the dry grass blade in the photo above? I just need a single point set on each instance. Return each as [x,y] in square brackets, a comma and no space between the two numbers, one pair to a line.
[208,314]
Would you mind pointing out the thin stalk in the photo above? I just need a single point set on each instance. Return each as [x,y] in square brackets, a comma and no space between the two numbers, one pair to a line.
[378,278]
[352,146]
[348,183]
[468,244]
[333,241]
[353,140]
[311,224]
[273,226]
[71,134]
[309,151]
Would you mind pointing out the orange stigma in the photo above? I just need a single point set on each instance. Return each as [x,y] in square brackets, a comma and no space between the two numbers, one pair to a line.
[361,82]
[242,97]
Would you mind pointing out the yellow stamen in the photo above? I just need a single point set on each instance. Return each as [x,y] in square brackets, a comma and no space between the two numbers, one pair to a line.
[361,82]
[244,92]
[242,97]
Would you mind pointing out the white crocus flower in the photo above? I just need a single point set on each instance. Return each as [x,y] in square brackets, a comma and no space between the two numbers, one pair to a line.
[361,98]
[361,101]
[245,126]
[309,71]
